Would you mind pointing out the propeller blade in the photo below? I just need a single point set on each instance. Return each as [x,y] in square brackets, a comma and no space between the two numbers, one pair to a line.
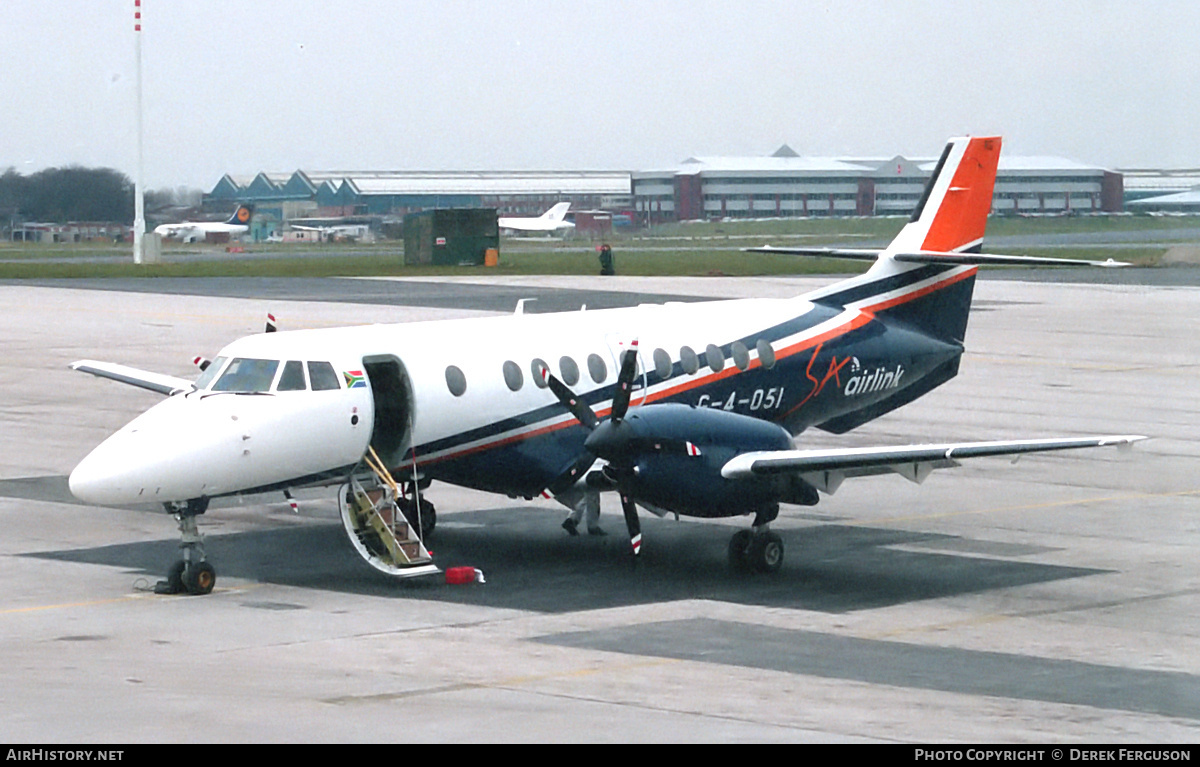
[578,407]
[625,381]
[631,521]
[567,479]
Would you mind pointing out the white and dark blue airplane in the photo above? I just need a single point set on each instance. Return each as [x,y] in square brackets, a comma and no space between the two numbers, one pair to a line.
[693,409]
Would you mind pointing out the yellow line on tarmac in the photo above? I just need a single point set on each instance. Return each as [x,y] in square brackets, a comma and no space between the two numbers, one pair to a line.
[96,602]
[38,608]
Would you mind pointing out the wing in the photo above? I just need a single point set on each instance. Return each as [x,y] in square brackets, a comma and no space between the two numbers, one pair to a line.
[157,382]
[825,469]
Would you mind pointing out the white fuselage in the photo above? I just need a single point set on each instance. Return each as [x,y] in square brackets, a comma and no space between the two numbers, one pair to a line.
[208,443]
[190,231]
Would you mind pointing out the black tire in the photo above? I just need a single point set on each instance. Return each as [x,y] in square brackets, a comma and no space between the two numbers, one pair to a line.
[174,580]
[739,550]
[200,578]
[428,520]
[766,553]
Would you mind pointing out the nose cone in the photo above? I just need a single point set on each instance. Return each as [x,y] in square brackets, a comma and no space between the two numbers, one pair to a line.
[150,460]
[97,479]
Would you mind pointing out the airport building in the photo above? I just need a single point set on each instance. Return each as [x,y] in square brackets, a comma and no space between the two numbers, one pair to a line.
[1150,190]
[395,193]
[782,185]
[788,185]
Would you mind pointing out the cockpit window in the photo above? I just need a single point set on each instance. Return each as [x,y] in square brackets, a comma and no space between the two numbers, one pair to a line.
[210,373]
[247,375]
[322,376]
[292,378]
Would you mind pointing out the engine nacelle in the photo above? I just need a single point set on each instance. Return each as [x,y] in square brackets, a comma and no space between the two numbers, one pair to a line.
[692,485]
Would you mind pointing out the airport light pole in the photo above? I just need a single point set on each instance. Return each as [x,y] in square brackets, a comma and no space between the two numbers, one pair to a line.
[139,204]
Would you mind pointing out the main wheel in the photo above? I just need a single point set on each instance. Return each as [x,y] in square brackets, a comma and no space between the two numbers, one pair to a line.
[200,578]
[428,517]
[739,549]
[766,553]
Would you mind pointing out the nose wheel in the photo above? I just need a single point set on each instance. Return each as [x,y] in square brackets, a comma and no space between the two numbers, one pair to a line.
[192,574]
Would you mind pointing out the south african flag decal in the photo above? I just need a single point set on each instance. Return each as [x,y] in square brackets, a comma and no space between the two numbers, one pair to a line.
[354,379]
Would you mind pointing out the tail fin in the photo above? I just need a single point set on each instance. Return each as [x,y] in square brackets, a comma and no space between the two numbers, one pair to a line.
[242,214]
[557,213]
[952,213]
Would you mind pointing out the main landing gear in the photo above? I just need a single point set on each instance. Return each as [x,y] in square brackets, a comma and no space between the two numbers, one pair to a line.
[758,549]
[191,574]
[423,521]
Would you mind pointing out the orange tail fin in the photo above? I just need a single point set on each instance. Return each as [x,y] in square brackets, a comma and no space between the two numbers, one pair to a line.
[952,214]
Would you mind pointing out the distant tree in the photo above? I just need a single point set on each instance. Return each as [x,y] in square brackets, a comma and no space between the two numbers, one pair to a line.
[68,194]
[12,192]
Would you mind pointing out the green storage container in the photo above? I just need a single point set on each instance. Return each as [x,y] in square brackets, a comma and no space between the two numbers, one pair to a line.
[450,236]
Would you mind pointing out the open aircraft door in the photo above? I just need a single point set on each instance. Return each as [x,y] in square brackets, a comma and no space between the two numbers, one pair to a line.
[385,517]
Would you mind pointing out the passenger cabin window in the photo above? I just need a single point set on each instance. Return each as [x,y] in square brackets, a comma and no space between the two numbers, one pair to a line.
[662,363]
[322,376]
[596,368]
[292,378]
[766,353]
[247,375]
[569,371]
[688,360]
[741,355]
[456,382]
[535,369]
[715,358]
[210,373]
[512,376]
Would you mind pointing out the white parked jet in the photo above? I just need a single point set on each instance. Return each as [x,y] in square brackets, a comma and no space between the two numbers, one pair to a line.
[550,221]
[194,231]
[358,232]
[685,408]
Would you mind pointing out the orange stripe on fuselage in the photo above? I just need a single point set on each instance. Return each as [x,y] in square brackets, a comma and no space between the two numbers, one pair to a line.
[962,216]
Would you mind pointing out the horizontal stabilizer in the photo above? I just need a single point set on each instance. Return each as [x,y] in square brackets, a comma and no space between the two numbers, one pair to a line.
[911,461]
[992,259]
[934,257]
[848,253]
[157,382]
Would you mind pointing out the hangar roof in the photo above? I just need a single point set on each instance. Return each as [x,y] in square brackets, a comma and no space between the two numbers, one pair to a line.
[851,165]
[1191,197]
[491,183]
[392,182]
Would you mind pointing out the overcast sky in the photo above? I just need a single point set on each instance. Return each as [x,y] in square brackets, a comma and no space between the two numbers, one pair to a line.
[277,85]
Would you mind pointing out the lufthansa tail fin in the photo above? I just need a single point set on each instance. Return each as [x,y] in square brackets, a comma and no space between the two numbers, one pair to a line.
[242,215]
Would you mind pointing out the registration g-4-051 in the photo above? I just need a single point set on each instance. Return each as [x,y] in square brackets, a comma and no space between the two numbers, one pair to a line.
[759,399]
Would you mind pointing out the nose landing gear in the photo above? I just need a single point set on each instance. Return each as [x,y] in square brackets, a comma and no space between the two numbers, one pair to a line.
[192,574]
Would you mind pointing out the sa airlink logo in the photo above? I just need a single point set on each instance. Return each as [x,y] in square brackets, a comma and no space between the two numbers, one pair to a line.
[877,379]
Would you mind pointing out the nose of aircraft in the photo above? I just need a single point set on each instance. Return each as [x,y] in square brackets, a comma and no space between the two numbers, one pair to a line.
[162,455]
